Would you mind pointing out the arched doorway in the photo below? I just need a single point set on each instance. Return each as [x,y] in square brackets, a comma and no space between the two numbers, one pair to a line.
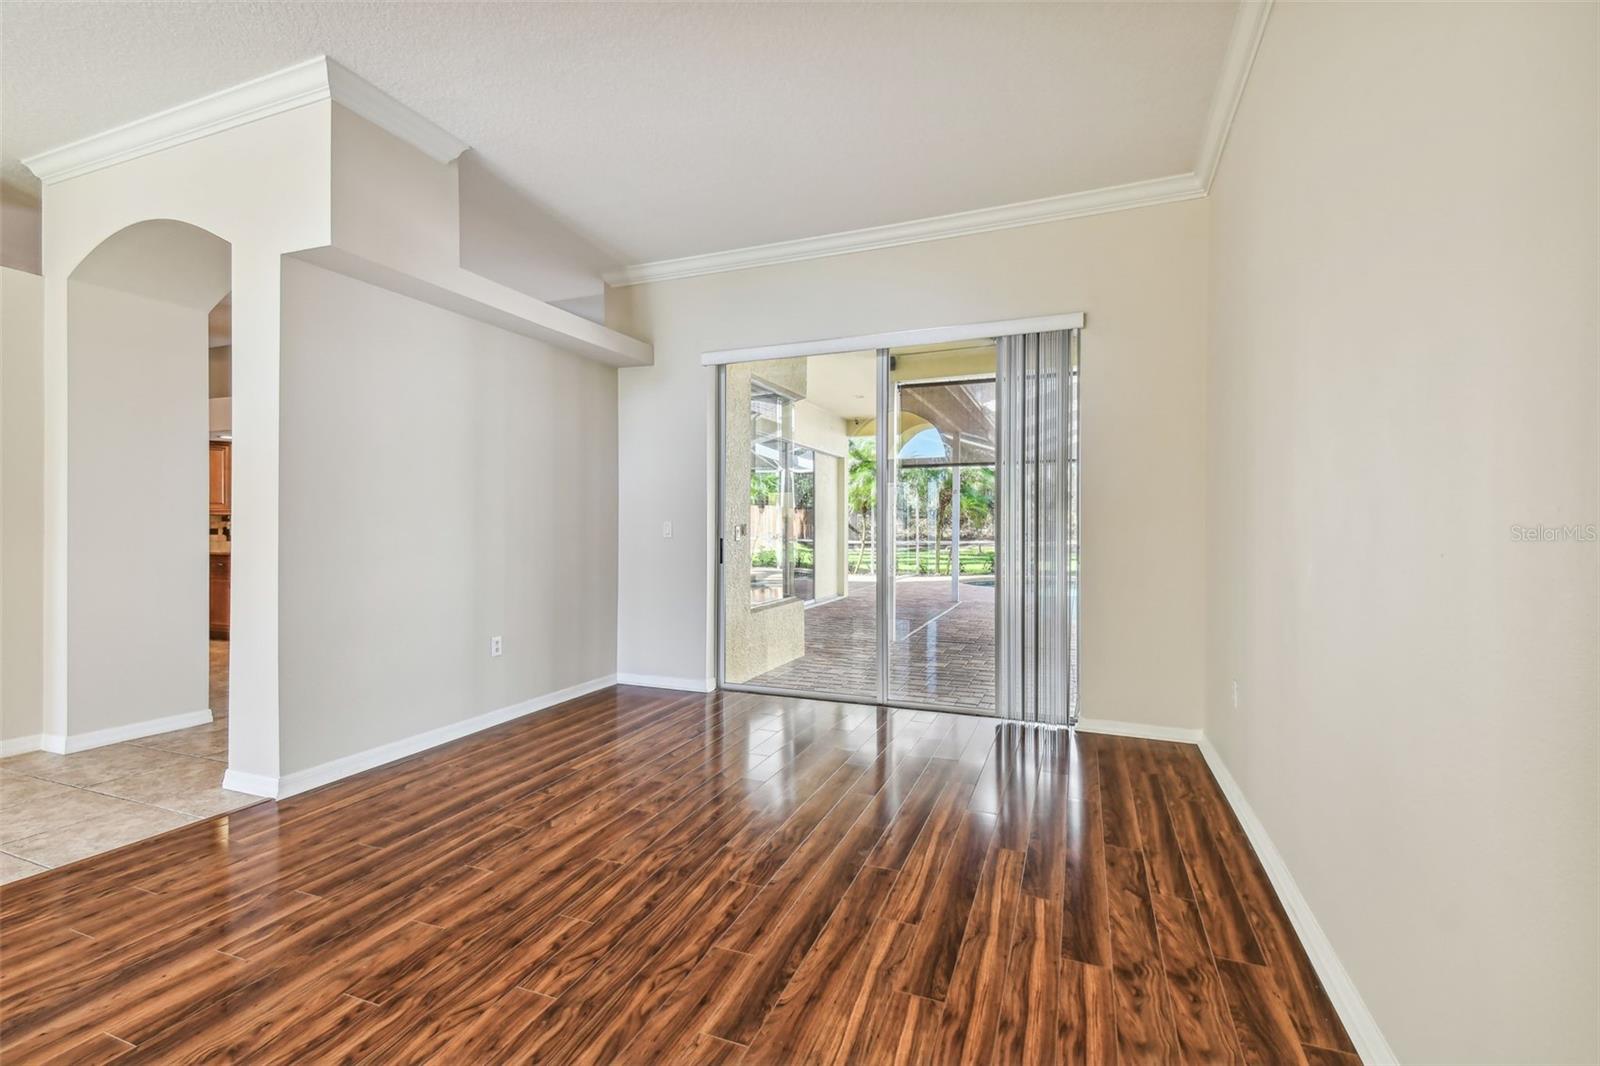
[128,613]
[137,424]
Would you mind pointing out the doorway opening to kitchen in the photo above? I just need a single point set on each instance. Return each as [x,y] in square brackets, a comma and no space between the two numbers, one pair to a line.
[219,543]
[137,699]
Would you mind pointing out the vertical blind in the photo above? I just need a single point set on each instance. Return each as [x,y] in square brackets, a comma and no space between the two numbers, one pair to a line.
[1037,490]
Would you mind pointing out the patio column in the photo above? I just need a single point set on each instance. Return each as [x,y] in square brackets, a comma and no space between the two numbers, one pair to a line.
[955,525]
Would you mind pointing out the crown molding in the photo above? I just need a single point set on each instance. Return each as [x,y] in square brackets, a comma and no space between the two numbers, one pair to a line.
[378,107]
[900,338]
[1249,23]
[271,94]
[284,90]
[983,220]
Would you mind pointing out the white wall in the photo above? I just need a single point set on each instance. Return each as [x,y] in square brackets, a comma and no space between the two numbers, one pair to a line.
[137,582]
[1140,276]
[1404,366]
[444,482]
[21,506]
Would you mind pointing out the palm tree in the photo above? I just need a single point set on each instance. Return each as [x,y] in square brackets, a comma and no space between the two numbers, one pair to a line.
[862,490]
[977,502]
[763,487]
[977,497]
[919,505]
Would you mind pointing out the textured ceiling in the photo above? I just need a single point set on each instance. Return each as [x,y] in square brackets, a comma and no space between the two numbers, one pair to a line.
[663,130]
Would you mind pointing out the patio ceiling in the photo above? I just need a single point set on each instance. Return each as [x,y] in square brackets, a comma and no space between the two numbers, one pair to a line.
[961,412]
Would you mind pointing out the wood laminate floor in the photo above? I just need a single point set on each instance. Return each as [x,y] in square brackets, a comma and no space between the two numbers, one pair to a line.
[642,876]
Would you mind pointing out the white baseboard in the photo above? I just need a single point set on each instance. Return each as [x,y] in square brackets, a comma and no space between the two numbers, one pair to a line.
[72,742]
[250,784]
[20,745]
[349,765]
[684,684]
[1352,1009]
[1111,727]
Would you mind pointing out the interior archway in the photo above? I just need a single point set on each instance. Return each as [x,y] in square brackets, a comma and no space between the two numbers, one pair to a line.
[135,658]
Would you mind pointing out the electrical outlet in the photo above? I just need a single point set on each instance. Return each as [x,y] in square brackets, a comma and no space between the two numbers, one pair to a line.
[1236,693]
[666,529]
[495,648]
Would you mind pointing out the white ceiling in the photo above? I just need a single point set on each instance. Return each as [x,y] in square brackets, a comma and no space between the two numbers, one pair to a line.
[665,130]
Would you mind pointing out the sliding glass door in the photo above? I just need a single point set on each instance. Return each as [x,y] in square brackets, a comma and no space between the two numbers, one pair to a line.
[899,526]
[798,603]
[943,403]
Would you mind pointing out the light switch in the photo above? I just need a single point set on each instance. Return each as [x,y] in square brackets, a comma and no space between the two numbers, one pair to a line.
[666,529]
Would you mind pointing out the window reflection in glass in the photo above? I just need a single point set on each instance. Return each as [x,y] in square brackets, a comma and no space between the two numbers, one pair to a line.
[770,416]
[782,502]
[802,522]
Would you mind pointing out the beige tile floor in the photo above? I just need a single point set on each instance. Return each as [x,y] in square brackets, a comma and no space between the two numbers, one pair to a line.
[56,809]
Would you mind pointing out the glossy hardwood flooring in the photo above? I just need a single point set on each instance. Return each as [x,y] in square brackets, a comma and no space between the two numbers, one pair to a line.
[642,876]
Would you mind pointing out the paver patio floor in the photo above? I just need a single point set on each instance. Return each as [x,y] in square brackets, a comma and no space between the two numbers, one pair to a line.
[943,650]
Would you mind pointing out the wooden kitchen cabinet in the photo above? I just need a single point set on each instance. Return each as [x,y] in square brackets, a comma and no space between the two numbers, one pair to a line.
[221,566]
[221,477]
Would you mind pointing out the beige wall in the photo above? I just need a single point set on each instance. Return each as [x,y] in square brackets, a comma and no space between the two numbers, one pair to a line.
[21,508]
[1404,367]
[397,222]
[19,230]
[137,581]
[819,428]
[829,518]
[1140,276]
[263,187]
[219,372]
[506,237]
[824,432]
[444,482]
[393,204]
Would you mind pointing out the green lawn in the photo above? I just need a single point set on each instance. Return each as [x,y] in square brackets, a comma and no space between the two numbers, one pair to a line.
[973,560]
